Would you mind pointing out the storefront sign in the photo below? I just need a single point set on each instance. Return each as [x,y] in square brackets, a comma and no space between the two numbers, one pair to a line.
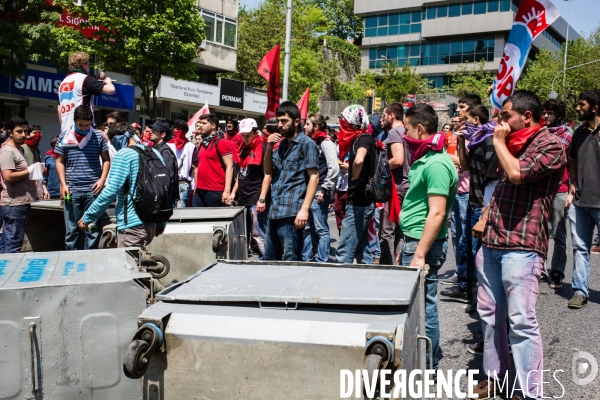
[232,93]
[256,102]
[44,85]
[194,92]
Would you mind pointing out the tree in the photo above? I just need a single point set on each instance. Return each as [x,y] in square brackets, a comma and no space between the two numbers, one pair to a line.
[28,33]
[472,79]
[344,24]
[146,39]
[396,82]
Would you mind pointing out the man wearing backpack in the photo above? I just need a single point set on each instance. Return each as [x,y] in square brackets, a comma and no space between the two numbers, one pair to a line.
[426,207]
[360,207]
[215,165]
[134,230]
[161,134]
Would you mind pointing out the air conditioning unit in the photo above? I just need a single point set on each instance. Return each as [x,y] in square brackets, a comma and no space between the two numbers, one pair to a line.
[202,46]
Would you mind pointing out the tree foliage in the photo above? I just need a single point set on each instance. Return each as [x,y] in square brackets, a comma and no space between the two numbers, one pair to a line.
[344,24]
[396,82]
[146,39]
[28,33]
[539,73]
[471,78]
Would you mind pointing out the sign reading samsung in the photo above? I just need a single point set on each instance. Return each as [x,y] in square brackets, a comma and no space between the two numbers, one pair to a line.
[232,93]
[44,85]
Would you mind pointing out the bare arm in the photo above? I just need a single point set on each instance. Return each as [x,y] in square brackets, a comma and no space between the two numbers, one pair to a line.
[10,175]
[463,157]
[228,161]
[397,155]
[231,197]
[98,186]
[311,189]
[266,184]
[572,182]
[509,164]
[60,169]
[433,224]
[108,88]
[359,160]
[274,138]
[59,115]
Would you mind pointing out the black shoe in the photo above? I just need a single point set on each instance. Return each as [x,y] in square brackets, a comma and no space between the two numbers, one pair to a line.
[455,293]
[476,348]
[472,306]
[453,280]
[556,281]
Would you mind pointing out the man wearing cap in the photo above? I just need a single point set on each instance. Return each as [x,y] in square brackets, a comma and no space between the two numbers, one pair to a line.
[161,133]
[252,185]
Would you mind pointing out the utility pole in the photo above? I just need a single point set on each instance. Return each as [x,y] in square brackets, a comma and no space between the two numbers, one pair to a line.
[288,44]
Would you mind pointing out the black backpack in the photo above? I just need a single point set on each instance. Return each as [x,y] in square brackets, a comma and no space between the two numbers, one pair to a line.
[379,186]
[153,200]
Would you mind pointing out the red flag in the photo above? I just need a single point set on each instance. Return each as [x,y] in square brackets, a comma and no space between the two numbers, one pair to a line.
[303,104]
[269,69]
[192,122]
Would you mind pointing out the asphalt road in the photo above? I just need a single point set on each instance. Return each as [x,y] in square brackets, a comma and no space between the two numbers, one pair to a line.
[565,332]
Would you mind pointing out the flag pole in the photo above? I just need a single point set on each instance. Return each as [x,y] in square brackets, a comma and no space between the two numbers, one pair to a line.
[288,39]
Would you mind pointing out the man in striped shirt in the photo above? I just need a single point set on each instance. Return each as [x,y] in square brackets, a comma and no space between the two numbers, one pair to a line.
[82,164]
[124,169]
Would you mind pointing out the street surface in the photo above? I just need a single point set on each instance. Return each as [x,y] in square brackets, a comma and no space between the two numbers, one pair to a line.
[564,331]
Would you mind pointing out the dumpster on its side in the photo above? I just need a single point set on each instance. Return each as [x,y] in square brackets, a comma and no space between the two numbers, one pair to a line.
[277,330]
[66,319]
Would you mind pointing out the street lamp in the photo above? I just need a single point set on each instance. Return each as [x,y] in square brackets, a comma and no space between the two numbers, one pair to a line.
[553,94]
[567,43]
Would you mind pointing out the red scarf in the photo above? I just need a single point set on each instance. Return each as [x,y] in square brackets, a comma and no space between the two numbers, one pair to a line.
[347,136]
[34,140]
[395,206]
[518,139]
[250,154]
[179,138]
[319,136]
[418,148]
[52,153]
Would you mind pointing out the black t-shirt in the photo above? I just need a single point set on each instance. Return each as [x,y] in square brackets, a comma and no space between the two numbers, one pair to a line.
[483,165]
[356,189]
[585,148]
[250,182]
[91,86]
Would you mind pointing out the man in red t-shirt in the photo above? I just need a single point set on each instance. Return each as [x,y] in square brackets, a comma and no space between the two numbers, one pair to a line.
[232,132]
[215,165]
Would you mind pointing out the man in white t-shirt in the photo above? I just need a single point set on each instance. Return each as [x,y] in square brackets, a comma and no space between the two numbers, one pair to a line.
[187,160]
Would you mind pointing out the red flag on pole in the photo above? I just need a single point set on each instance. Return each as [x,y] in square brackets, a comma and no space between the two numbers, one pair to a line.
[269,69]
[192,122]
[303,104]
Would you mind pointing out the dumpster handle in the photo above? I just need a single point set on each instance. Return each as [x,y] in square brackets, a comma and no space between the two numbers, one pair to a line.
[31,334]
[279,308]
[426,339]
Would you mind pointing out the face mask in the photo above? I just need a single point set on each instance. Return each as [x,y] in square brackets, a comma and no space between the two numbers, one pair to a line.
[79,131]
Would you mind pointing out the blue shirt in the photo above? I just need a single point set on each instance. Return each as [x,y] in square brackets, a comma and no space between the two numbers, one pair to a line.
[82,166]
[51,178]
[124,168]
[290,178]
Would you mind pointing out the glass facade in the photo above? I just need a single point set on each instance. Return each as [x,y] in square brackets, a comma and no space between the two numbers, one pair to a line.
[220,29]
[439,81]
[393,24]
[553,38]
[433,52]
[477,7]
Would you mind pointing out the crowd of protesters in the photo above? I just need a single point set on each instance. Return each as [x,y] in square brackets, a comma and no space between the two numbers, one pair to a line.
[500,181]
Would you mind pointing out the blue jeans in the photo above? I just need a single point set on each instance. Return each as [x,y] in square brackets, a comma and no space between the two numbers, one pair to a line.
[376,249]
[256,228]
[458,223]
[14,219]
[582,220]
[73,211]
[317,232]
[465,268]
[435,257]
[185,189]
[354,239]
[207,198]
[283,241]
[509,283]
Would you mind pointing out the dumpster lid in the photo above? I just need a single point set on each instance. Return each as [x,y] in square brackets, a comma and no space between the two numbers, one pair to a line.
[58,268]
[292,282]
[48,205]
[205,213]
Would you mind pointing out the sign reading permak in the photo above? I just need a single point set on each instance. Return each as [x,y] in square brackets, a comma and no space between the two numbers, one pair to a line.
[232,93]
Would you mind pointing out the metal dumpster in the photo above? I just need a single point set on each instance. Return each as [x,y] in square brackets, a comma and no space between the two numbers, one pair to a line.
[277,330]
[195,237]
[66,319]
[46,226]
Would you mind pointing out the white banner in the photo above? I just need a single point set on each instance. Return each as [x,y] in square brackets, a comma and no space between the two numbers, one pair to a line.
[194,92]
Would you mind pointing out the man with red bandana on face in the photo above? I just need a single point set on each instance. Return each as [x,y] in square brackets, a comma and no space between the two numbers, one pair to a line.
[232,127]
[30,148]
[187,160]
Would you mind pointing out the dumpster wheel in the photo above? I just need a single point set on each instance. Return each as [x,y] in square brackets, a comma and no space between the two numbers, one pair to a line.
[134,364]
[162,268]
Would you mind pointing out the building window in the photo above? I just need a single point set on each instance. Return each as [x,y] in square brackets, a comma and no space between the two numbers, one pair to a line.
[439,81]
[220,29]
[476,7]
[434,52]
[393,24]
